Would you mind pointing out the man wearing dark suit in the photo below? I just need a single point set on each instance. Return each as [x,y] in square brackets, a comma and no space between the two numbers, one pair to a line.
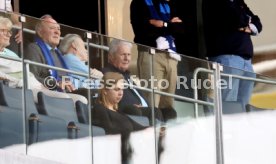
[44,50]
[133,102]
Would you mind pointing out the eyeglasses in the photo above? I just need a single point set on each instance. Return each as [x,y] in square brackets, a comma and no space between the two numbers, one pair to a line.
[5,32]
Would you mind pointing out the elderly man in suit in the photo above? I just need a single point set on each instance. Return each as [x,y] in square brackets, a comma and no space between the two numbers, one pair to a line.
[133,102]
[44,50]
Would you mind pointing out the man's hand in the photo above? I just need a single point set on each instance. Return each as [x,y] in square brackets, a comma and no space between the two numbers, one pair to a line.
[176,20]
[66,86]
[96,73]
[245,29]
[18,37]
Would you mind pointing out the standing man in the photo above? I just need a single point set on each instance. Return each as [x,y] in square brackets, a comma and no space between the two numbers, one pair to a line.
[229,25]
[154,26]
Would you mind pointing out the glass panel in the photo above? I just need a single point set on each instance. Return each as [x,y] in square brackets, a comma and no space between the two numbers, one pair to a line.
[263,94]
[194,80]
[121,56]
[55,117]
[248,120]
[12,129]
[185,118]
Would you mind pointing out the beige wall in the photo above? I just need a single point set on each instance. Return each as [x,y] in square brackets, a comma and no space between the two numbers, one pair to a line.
[118,19]
[265,9]
[118,25]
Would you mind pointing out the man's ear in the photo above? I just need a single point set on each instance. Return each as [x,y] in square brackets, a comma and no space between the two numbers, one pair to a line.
[38,33]
[74,46]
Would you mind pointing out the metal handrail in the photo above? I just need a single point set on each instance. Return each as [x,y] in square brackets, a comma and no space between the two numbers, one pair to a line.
[205,70]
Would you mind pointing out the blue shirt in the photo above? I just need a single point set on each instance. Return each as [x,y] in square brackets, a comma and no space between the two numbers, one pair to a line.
[75,64]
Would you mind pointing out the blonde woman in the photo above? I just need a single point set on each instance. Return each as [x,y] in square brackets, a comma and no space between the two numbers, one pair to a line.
[105,112]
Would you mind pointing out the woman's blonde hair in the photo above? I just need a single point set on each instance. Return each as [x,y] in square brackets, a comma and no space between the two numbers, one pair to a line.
[109,78]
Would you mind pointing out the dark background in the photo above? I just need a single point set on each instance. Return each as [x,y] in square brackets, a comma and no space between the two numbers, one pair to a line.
[78,14]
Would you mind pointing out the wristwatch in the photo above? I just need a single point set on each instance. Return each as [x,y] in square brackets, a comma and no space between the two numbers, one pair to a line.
[165,24]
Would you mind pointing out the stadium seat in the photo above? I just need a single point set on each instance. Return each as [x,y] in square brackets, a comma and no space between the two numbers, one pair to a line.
[11,127]
[83,116]
[41,127]
[232,107]
[63,108]
[12,97]
[142,120]
[82,112]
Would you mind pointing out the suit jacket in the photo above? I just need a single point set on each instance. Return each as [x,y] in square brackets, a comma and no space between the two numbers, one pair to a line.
[126,105]
[129,97]
[34,53]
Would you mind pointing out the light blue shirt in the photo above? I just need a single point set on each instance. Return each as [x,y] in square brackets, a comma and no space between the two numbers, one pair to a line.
[75,64]
[8,53]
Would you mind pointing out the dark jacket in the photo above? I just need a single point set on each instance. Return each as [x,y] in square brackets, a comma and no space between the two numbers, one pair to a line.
[129,97]
[144,32]
[113,122]
[126,105]
[222,20]
[190,41]
[34,53]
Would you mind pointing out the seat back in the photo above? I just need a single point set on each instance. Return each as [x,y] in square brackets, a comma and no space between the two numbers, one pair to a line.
[97,131]
[82,112]
[12,97]
[232,107]
[11,128]
[58,107]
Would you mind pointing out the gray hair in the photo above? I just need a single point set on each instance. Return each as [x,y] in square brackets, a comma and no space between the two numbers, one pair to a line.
[115,43]
[67,41]
[5,22]
[41,20]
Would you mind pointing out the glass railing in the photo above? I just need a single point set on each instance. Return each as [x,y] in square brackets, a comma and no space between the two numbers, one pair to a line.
[197,127]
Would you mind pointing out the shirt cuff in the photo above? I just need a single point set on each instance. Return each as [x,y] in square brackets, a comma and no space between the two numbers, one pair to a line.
[254,29]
